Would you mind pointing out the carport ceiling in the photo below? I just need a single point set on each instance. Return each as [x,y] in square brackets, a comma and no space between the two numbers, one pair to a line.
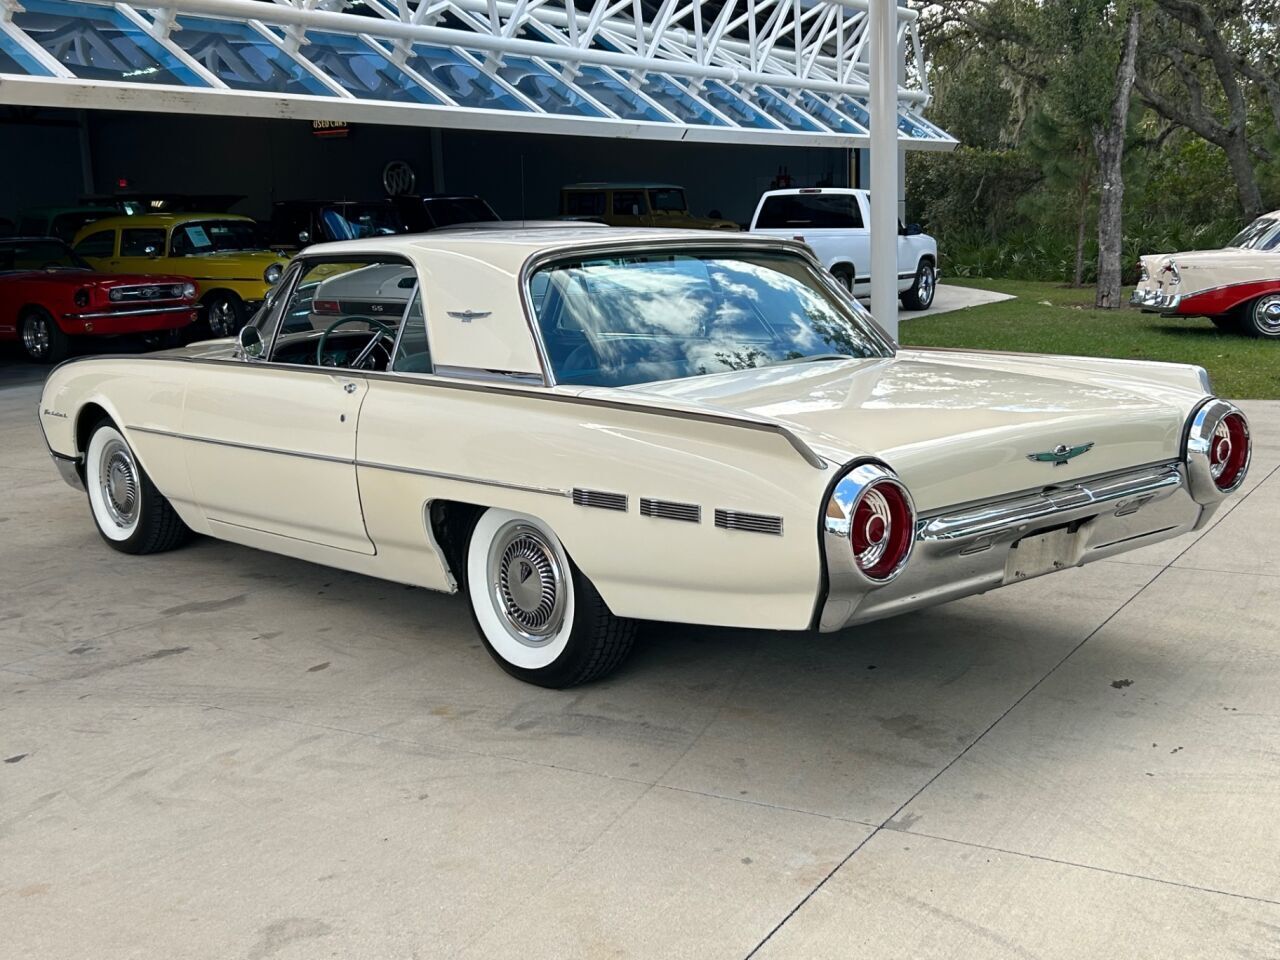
[729,71]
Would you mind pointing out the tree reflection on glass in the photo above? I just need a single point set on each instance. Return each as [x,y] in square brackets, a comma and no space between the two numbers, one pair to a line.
[637,318]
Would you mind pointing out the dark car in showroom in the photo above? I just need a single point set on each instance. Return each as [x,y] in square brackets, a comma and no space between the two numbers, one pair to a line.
[298,223]
[49,296]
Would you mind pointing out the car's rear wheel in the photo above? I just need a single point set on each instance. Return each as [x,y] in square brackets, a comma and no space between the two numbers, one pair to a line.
[920,295]
[130,513]
[1261,318]
[42,339]
[540,618]
[224,313]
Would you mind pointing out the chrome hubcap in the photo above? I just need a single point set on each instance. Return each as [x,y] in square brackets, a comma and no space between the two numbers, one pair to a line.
[1267,313]
[118,480]
[528,584]
[926,285]
[221,318]
[35,336]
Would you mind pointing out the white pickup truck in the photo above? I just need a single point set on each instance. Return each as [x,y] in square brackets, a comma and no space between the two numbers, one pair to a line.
[835,222]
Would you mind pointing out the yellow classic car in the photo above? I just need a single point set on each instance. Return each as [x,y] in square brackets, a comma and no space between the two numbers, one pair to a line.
[223,253]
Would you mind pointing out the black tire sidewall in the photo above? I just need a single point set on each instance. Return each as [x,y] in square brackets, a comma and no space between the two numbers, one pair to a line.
[59,342]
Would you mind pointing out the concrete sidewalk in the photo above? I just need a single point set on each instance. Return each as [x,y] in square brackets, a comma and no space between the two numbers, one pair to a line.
[948,298]
[220,753]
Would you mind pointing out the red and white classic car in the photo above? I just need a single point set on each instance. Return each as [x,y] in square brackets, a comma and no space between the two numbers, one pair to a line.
[1237,287]
[48,295]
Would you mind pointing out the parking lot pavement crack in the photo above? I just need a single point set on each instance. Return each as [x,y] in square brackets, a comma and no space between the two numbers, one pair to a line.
[1089,866]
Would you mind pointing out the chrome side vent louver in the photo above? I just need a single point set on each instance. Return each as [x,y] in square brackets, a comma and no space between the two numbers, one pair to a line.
[599,498]
[670,510]
[749,522]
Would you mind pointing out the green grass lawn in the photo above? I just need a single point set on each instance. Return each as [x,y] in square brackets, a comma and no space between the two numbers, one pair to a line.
[1050,318]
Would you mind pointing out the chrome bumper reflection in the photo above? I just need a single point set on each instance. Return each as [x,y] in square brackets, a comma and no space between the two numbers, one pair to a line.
[68,469]
[966,551]
[1155,300]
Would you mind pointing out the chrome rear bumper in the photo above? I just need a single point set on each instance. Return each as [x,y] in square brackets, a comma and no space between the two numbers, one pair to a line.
[1155,301]
[967,550]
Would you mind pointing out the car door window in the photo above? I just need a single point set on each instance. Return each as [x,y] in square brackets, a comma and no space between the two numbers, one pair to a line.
[347,314]
[135,241]
[100,244]
[628,203]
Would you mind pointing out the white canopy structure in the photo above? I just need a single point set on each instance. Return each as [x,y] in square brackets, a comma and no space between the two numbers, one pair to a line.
[729,71]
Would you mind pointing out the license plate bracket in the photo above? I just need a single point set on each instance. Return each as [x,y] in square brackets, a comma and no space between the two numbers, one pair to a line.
[1041,553]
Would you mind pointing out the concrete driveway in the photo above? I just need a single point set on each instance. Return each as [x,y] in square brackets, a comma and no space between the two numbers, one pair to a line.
[219,753]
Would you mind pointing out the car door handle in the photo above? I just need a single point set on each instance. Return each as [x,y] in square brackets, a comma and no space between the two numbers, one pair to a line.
[349,387]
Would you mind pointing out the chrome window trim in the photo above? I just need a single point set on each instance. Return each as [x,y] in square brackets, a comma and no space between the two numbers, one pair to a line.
[877,335]
[494,386]
[404,320]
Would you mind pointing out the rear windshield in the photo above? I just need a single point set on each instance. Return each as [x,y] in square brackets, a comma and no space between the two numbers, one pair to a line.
[813,210]
[1262,234]
[633,318]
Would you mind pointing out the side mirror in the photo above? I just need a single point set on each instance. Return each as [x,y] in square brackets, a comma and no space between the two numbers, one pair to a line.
[304,237]
[913,230]
[151,250]
[249,342]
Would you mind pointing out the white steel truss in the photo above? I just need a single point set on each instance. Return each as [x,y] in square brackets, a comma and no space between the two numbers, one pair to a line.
[748,71]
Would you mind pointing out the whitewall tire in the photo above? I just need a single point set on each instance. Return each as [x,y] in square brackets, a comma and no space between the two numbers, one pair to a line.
[539,617]
[130,513]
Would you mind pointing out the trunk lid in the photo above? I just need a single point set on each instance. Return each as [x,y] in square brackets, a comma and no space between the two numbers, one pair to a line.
[961,427]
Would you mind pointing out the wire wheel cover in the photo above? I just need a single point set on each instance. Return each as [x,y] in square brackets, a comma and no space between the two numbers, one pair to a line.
[119,481]
[528,584]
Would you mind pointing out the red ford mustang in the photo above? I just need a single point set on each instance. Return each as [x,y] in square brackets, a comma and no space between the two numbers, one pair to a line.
[49,295]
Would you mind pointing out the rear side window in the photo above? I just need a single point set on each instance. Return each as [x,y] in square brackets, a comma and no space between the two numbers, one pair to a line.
[837,211]
[134,243]
[583,203]
[628,203]
[100,244]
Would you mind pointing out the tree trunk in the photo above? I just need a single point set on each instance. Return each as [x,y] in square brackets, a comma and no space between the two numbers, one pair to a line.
[1082,215]
[1241,164]
[1110,150]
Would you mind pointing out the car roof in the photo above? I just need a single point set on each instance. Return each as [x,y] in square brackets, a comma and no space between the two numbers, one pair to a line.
[162,219]
[796,191]
[623,185]
[508,249]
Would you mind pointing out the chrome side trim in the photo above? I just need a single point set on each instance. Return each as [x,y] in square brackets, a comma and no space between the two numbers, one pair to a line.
[479,481]
[368,464]
[140,312]
[1126,492]
[670,510]
[748,522]
[540,393]
[602,499]
[323,457]
[491,376]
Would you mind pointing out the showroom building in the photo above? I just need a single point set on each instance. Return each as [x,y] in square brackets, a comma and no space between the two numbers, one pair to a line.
[510,100]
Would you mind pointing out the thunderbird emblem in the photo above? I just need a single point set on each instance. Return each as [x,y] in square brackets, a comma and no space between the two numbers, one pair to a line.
[466,316]
[1060,454]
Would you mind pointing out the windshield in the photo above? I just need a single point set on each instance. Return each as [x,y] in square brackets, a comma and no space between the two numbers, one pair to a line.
[352,221]
[1262,234]
[636,318]
[38,255]
[216,236]
[667,201]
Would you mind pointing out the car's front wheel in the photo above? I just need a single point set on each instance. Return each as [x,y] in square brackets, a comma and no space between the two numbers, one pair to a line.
[130,513]
[539,617]
[920,295]
[1261,318]
[224,314]
[42,339]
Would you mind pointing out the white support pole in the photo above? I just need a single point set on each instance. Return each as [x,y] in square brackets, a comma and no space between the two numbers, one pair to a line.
[883,28]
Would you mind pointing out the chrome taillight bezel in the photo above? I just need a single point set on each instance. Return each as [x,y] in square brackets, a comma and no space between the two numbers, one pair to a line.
[842,506]
[1198,448]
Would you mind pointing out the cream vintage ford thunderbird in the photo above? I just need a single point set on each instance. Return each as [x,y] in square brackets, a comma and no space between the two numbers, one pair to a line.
[580,431]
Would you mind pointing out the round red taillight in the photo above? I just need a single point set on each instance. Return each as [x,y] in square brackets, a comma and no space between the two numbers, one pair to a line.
[881,529]
[1229,451]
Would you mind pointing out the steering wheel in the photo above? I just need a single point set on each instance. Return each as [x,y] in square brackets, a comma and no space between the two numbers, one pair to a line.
[382,332]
